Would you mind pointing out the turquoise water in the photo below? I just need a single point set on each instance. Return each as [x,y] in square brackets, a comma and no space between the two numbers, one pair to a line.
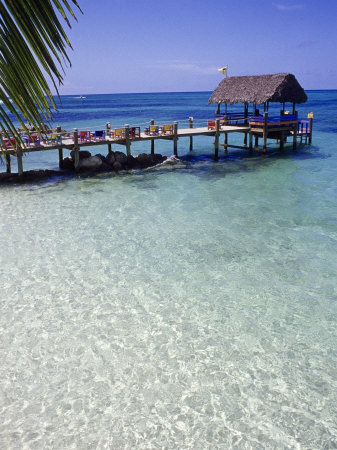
[185,307]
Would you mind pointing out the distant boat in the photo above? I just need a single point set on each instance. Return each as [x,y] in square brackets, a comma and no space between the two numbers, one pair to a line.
[81,96]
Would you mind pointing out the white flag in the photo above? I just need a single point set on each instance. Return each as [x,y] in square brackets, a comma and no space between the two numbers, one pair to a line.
[223,70]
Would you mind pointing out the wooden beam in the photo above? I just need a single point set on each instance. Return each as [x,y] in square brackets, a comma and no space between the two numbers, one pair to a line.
[190,124]
[76,151]
[61,158]
[127,139]
[152,140]
[175,138]
[216,140]
[265,131]
[20,164]
[8,163]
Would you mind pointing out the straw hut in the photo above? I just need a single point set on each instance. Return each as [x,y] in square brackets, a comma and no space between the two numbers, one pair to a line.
[259,89]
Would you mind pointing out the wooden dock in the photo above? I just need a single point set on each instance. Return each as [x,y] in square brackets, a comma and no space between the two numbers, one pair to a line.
[215,128]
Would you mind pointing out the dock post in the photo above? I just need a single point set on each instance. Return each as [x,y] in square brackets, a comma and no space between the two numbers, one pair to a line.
[108,128]
[61,158]
[310,128]
[127,139]
[109,149]
[250,142]
[281,140]
[20,164]
[265,131]
[226,143]
[152,140]
[216,139]
[8,163]
[76,151]
[175,138]
[295,135]
[190,123]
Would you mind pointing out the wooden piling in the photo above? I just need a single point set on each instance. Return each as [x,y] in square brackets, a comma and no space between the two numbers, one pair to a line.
[250,142]
[109,149]
[310,128]
[190,124]
[76,151]
[127,139]
[226,143]
[152,140]
[8,163]
[265,131]
[60,158]
[20,164]
[295,134]
[175,138]
[216,139]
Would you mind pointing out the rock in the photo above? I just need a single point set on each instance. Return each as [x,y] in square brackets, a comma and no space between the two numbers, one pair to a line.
[101,157]
[145,160]
[110,159]
[121,158]
[93,162]
[131,161]
[67,164]
[117,166]
[82,153]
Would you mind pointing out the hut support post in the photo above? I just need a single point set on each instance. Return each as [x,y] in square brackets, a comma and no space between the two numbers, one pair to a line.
[152,140]
[310,129]
[265,131]
[250,142]
[190,123]
[226,143]
[8,163]
[127,139]
[216,140]
[20,164]
[76,151]
[245,122]
[295,134]
[175,138]
[281,140]
[60,158]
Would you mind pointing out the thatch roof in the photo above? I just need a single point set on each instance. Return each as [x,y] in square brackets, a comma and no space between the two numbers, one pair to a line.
[279,87]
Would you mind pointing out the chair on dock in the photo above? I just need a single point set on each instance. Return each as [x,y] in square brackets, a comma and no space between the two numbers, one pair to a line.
[167,129]
[84,136]
[54,139]
[153,130]
[211,124]
[134,132]
[119,133]
[99,135]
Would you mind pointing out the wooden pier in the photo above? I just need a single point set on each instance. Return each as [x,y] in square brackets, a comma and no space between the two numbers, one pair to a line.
[252,128]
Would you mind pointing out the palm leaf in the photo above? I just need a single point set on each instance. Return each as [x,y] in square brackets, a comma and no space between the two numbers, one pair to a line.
[33,46]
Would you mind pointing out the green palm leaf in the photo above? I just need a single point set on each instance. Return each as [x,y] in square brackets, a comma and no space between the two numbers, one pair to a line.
[33,46]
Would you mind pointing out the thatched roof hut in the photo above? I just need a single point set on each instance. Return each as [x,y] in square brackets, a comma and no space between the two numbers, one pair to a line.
[259,89]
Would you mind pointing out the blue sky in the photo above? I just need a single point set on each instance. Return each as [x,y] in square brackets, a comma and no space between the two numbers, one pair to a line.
[178,45]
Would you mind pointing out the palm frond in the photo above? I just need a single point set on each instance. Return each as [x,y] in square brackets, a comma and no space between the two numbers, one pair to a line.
[33,46]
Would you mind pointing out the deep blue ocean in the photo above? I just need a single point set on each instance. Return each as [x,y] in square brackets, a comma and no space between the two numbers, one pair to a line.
[187,306]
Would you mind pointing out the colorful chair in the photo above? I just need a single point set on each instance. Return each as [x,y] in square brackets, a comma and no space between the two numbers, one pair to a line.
[167,129]
[99,135]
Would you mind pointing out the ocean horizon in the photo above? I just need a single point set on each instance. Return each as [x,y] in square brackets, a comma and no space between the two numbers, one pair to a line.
[184,306]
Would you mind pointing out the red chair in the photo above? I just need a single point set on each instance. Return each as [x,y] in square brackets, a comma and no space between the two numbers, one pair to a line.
[210,124]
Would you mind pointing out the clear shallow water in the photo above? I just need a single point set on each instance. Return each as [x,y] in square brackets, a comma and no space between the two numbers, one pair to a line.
[186,307]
